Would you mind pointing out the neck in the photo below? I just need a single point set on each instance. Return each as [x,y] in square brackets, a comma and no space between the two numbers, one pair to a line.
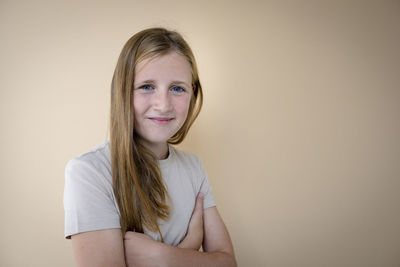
[159,149]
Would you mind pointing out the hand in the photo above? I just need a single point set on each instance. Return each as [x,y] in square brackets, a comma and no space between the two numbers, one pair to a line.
[141,250]
[194,235]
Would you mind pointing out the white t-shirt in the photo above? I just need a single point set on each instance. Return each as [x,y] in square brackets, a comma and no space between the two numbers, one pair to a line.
[90,204]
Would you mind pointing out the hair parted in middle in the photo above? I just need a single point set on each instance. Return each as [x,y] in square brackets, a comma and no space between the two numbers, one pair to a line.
[137,182]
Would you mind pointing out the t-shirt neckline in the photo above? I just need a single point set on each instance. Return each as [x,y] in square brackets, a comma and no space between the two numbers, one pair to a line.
[171,154]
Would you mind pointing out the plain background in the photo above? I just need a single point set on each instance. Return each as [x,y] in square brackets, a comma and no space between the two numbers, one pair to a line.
[299,132]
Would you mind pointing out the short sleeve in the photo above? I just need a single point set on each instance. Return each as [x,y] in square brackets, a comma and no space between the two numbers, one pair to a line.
[88,199]
[206,189]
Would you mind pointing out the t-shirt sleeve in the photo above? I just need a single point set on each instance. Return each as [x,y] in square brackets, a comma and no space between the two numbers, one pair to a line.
[206,189]
[88,199]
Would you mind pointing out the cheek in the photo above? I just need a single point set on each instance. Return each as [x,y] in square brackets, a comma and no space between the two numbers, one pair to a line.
[140,104]
[182,105]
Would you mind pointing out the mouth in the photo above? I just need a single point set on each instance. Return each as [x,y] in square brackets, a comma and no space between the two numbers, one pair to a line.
[160,120]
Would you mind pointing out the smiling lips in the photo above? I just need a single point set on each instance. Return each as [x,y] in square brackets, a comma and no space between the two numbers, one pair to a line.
[160,120]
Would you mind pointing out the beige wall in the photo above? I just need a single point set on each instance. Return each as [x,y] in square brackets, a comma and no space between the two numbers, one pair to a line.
[299,132]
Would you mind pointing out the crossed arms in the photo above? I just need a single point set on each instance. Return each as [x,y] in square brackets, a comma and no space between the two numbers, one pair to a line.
[110,248]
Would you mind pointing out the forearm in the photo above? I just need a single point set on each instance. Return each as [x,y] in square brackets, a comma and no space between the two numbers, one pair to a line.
[177,257]
[141,250]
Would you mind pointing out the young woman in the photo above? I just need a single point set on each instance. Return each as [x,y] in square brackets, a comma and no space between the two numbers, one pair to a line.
[136,200]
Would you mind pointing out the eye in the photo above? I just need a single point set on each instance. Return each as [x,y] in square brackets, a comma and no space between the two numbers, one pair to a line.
[146,87]
[177,89]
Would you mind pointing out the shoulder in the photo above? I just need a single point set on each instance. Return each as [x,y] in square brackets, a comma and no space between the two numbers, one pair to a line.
[97,156]
[185,155]
[90,165]
[89,200]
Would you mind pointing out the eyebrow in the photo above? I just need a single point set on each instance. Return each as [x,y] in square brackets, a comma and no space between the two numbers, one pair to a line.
[147,81]
[172,82]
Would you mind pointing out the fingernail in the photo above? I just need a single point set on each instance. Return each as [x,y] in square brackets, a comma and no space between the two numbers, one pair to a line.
[201,195]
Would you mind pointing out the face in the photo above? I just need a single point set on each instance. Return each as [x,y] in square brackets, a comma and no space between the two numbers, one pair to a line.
[161,97]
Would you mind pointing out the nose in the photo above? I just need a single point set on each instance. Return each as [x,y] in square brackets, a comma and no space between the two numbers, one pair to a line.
[162,101]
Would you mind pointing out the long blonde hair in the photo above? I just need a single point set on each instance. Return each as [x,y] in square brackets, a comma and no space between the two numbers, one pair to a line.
[138,186]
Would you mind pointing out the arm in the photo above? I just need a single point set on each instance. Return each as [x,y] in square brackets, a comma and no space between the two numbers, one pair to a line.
[99,248]
[88,206]
[140,250]
[195,232]
[218,249]
[106,247]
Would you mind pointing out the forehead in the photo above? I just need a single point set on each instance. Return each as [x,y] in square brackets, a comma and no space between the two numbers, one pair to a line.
[171,66]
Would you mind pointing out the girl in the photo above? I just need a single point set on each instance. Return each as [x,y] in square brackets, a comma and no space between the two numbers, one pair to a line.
[136,200]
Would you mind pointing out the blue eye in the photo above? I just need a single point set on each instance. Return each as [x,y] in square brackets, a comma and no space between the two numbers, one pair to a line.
[146,87]
[178,89]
